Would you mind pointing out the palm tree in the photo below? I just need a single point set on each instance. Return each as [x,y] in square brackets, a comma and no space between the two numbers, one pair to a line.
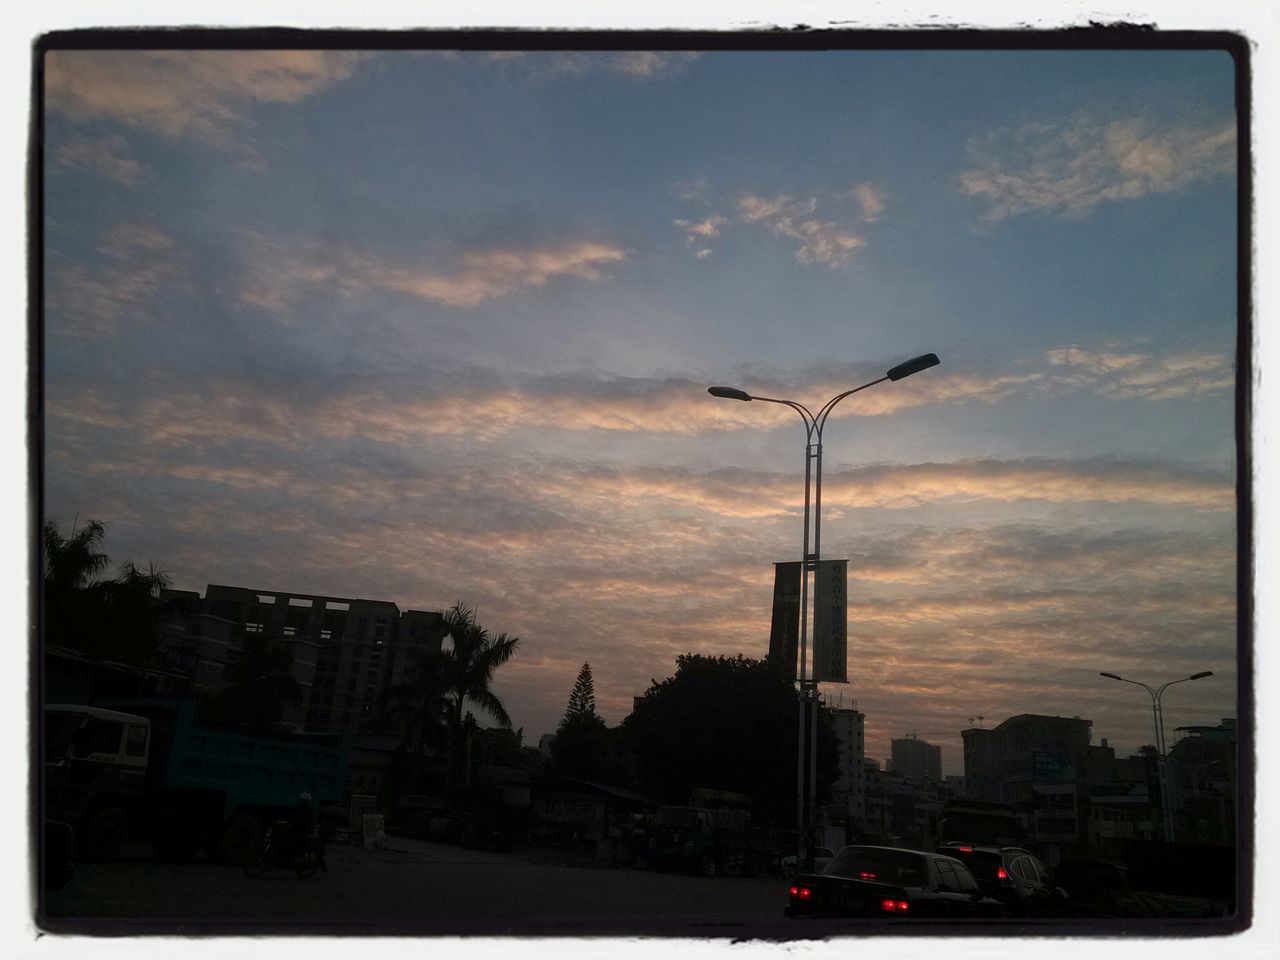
[418,708]
[72,562]
[115,618]
[72,565]
[469,666]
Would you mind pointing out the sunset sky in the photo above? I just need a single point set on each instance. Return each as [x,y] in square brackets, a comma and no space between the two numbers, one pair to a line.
[438,326]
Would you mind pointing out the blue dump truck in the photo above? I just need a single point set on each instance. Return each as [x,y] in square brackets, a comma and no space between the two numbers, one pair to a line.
[148,769]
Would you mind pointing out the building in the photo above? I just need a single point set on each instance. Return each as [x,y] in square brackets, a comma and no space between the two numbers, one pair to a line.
[916,759]
[1024,750]
[849,790]
[346,652]
[1202,772]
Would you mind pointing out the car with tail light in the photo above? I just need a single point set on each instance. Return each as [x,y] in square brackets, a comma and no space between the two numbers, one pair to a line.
[890,883]
[1012,875]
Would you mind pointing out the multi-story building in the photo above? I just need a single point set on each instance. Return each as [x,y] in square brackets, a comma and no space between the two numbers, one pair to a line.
[1202,772]
[901,810]
[916,759]
[345,651]
[1027,749]
[849,790]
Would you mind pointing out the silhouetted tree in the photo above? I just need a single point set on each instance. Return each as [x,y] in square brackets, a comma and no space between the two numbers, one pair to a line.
[469,664]
[582,700]
[584,747]
[261,685]
[115,618]
[726,723]
[417,709]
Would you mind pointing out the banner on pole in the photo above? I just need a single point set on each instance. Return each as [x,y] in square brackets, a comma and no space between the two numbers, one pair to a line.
[830,621]
[784,632]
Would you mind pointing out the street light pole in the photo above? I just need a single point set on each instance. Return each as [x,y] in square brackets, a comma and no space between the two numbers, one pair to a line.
[807,677]
[1157,712]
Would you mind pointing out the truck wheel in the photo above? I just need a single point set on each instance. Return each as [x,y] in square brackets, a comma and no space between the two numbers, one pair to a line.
[104,834]
[242,838]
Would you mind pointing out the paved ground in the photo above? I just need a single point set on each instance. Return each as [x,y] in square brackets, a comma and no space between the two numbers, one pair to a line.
[415,887]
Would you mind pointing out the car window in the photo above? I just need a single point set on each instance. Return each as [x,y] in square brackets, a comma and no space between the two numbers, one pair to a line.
[98,736]
[135,744]
[1042,873]
[947,876]
[874,863]
[1024,870]
[965,878]
[982,863]
[823,852]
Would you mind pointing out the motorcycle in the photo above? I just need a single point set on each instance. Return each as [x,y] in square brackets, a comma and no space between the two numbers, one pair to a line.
[280,851]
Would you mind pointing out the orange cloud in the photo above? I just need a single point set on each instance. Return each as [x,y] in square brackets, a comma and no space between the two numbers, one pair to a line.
[197,93]
[279,278]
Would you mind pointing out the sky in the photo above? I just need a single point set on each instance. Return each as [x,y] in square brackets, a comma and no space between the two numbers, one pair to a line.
[437,326]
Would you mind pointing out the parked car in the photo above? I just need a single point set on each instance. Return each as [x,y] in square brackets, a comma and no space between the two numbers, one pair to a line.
[821,857]
[890,883]
[1012,875]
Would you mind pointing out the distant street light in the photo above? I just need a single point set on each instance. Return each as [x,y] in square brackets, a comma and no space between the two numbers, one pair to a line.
[1157,712]
[809,564]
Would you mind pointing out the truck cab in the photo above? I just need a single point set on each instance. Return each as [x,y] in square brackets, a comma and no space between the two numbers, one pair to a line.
[95,772]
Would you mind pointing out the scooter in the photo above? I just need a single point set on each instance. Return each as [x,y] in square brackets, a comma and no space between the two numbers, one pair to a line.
[308,853]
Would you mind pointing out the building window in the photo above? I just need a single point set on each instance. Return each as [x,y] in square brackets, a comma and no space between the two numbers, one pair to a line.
[253,628]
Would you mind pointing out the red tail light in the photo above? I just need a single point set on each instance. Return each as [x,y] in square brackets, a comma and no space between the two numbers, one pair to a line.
[801,893]
[894,906]
[1002,874]
[965,849]
[866,875]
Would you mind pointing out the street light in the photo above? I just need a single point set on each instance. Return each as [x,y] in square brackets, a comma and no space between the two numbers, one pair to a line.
[1157,713]
[814,425]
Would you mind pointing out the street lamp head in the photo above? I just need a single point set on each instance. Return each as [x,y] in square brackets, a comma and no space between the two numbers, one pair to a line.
[915,365]
[1110,676]
[1201,675]
[729,393]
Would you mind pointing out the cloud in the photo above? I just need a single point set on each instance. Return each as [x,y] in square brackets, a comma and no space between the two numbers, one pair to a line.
[137,262]
[231,412]
[699,232]
[660,561]
[821,242]
[201,94]
[633,64]
[871,200]
[278,278]
[105,156]
[1070,168]
[1141,376]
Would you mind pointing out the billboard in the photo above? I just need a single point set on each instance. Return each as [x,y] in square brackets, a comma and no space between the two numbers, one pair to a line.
[830,621]
[784,632]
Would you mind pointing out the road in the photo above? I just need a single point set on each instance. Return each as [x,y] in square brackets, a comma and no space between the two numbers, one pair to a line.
[414,887]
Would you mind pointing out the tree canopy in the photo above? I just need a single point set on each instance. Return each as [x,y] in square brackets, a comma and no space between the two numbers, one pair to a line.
[113,618]
[725,723]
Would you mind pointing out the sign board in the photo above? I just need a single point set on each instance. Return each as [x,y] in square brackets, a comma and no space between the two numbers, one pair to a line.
[830,621]
[784,633]
[361,804]
[373,832]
